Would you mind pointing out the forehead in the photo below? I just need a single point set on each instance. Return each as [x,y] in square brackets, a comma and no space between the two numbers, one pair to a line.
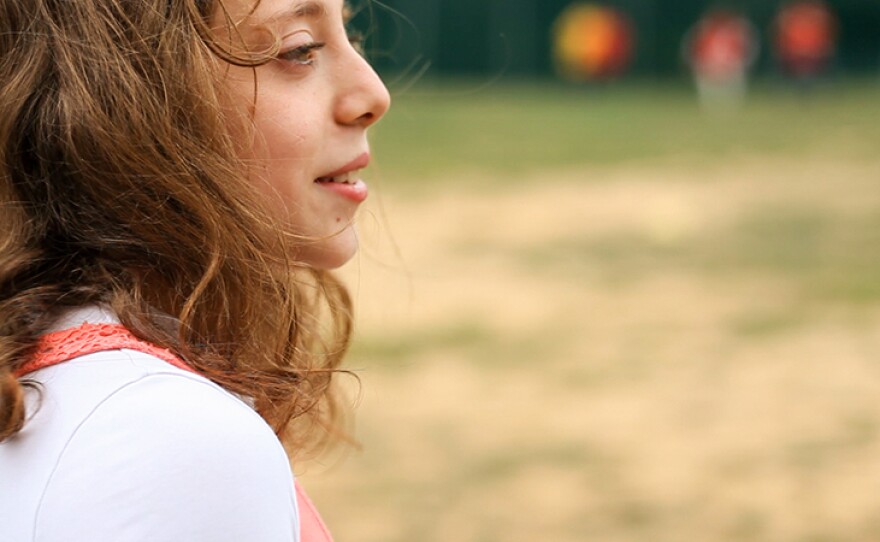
[274,13]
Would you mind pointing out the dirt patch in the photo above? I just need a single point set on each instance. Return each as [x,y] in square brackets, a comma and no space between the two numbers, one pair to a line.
[608,397]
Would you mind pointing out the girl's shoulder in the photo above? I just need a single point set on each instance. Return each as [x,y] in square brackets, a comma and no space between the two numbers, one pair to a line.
[122,434]
[90,362]
[127,401]
[136,385]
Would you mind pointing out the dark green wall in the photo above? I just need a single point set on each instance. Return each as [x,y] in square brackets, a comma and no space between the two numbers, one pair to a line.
[512,37]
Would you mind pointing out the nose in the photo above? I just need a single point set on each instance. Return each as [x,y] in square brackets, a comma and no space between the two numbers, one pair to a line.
[363,99]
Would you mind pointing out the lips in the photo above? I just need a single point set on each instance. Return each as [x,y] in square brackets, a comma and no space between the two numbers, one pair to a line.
[347,174]
[346,181]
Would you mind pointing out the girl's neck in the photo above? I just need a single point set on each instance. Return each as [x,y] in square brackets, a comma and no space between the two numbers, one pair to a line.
[87,314]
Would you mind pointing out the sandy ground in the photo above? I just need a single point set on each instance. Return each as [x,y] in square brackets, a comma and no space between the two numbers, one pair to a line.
[533,370]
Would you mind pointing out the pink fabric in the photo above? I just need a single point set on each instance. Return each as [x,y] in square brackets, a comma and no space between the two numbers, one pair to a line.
[60,346]
[311,526]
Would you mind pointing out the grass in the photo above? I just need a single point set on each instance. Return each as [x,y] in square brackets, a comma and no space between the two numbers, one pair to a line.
[445,131]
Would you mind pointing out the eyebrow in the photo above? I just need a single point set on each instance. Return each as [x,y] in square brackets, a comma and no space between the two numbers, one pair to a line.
[309,9]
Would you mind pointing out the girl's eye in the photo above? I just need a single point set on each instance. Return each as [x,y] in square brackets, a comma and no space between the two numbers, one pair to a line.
[304,54]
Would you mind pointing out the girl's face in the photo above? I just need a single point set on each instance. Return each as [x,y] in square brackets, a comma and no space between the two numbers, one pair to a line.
[311,107]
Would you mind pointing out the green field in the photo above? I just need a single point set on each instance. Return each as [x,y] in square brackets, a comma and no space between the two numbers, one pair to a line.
[444,130]
[606,315]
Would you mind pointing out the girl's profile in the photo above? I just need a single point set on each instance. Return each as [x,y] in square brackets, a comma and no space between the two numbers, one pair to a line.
[178,179]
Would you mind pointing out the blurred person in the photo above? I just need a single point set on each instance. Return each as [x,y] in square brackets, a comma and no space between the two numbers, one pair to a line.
[179,178]
[720,49]
[805,35]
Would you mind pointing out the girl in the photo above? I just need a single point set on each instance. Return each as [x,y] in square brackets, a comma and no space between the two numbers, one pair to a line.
[176,179]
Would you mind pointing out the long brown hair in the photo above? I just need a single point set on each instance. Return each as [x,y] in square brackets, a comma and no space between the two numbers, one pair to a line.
[120,185]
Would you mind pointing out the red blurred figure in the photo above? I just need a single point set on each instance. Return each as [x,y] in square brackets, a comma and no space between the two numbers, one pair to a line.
[720,48]
[805,40]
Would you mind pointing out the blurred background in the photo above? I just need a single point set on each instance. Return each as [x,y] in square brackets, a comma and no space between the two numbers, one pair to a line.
[515,37]
[620,277]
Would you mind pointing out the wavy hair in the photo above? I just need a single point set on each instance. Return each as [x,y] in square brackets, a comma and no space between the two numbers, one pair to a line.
[120,184]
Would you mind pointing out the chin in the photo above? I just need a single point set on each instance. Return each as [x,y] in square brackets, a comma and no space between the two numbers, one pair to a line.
[330,253]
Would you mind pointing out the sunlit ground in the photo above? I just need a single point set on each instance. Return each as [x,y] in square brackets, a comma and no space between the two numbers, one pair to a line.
[604,315]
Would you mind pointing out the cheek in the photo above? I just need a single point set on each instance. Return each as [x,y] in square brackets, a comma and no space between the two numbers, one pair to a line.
[285,133]
[284,152]
[284,168]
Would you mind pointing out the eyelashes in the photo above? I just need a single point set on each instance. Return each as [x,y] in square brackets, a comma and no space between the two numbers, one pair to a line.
[304,54]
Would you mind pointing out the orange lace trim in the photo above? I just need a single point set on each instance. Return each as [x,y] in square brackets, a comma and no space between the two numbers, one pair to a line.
[60,346]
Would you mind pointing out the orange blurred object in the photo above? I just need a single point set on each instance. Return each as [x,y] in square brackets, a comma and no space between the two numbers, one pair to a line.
[593,42]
